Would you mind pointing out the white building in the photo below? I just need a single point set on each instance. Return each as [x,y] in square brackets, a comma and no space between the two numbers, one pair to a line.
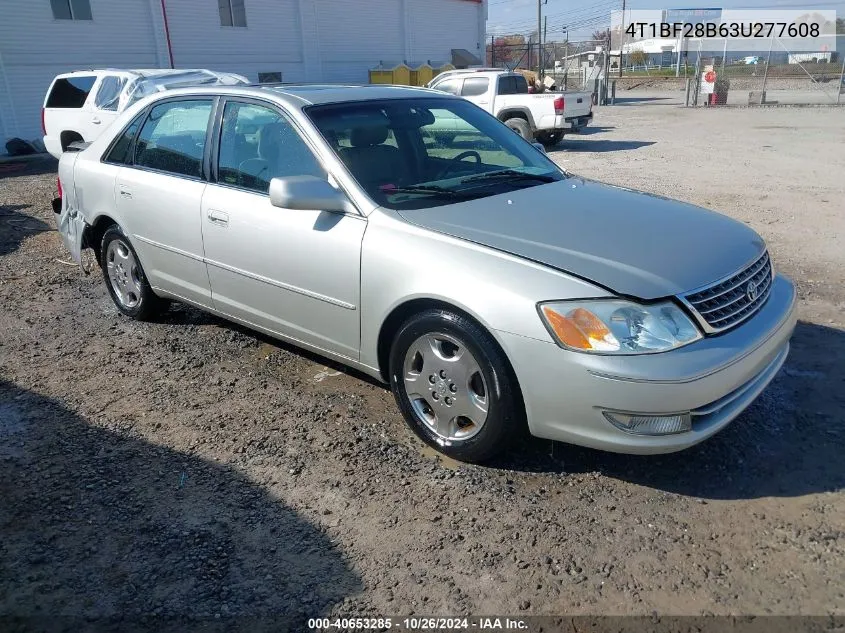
[299,40]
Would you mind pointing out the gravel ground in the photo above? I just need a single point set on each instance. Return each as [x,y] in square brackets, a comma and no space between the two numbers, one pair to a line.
[192,467]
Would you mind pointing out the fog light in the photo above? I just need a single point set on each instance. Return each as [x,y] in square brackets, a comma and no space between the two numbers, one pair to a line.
[649,424]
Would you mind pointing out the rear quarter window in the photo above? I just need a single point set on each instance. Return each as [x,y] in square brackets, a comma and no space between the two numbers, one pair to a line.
[70,92]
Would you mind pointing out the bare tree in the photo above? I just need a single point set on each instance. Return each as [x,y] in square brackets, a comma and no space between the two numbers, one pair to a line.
[638,57]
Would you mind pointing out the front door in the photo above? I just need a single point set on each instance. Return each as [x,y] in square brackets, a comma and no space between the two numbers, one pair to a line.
[292,272]
[160,194]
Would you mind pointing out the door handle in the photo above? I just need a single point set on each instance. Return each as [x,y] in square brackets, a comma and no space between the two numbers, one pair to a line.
[125,193]
[96,120]
[218,217]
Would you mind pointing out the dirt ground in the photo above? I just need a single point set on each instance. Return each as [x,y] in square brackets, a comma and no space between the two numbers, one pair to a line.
[191,467]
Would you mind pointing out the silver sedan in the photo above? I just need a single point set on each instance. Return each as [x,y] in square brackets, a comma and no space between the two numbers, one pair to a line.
[493,291]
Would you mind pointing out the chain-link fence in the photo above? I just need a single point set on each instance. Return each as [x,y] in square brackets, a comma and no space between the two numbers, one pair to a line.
[777,76]
[561,65]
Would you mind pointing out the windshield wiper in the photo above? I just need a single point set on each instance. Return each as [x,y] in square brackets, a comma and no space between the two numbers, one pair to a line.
[510,174]
[432,189]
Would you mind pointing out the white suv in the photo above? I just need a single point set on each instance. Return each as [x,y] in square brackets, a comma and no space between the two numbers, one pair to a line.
[81,104]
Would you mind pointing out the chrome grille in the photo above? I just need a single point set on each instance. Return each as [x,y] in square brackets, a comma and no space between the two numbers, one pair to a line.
[731,301]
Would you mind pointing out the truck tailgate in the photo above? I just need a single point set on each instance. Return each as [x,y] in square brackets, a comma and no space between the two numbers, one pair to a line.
[576,104]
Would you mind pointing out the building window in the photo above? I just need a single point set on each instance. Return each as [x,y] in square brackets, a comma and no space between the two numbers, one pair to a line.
[71,9]
[232,12]
[270,78]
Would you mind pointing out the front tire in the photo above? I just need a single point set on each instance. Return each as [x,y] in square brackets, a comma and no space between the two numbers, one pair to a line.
[454,386]
[125,279]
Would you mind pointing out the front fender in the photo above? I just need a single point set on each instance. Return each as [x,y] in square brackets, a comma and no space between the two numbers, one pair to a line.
[401,262]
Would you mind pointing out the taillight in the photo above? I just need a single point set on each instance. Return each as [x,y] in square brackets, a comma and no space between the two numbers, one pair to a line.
[559,105]
[59,186]
[43,124]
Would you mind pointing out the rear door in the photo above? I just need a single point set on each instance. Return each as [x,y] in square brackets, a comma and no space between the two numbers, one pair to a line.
[292,272]
[159,196]
[105,102]
[477,90]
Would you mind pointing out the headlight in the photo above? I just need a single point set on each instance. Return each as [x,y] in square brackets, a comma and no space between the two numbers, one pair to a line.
[616,326]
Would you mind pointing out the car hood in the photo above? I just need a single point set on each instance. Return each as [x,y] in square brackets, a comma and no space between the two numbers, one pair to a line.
[633,243]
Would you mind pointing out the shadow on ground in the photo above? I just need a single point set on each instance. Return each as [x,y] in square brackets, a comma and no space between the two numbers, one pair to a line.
[28,166]
[16,226]
[594,129]
[96,524]
[789,443]
[571,144]
[623,101]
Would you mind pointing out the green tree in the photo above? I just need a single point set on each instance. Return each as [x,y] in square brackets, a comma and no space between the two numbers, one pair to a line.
[840,26]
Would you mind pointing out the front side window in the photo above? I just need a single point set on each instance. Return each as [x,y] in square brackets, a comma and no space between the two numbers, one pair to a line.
[71,9]
[452,86]
[108,94]
[173,137]
[232,12]
[419,153]
[257,144]
[70,92]
[475,86]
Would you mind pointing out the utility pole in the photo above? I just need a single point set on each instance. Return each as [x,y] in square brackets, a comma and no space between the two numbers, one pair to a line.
[543,48]
[565,58]
[539,39]
[621,40]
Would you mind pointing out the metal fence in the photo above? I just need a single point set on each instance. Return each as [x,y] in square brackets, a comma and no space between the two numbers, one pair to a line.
[570,65]
[777,76]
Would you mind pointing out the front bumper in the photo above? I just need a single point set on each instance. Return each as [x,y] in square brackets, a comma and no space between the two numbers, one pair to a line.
[713,379]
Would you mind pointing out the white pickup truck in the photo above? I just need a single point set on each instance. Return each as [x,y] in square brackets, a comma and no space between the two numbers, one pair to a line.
[545,117]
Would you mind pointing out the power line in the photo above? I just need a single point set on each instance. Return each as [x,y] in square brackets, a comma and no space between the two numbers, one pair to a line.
[562,18]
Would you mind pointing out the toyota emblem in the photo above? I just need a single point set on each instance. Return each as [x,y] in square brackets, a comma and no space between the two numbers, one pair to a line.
[751,291]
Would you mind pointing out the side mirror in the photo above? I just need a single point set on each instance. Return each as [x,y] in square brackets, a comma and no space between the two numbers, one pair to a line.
[307,193]
[540,147]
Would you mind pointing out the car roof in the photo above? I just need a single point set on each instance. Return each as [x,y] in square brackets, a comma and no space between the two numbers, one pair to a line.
[138,72]
[316,94]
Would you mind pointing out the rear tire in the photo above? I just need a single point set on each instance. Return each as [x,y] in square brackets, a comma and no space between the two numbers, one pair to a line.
[454,386]
[521,127]
[125,279]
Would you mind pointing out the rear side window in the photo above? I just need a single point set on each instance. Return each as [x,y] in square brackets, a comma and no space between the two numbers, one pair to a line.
[173,137]
[475,86]
[119,152]
[108,95]
[70,92]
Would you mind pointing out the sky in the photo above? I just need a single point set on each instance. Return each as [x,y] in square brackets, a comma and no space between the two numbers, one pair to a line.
[582,17]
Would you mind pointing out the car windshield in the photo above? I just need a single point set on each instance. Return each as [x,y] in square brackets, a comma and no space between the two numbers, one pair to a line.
[419,153]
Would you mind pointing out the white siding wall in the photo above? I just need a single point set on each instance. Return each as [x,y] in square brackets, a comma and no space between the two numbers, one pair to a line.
[271,41]
[355,36]
[441,25]
[307,40]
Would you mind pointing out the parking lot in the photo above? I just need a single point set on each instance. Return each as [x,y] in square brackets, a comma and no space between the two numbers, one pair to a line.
[190,466]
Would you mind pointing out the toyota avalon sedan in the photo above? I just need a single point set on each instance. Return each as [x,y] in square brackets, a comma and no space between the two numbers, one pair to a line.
[490,289]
